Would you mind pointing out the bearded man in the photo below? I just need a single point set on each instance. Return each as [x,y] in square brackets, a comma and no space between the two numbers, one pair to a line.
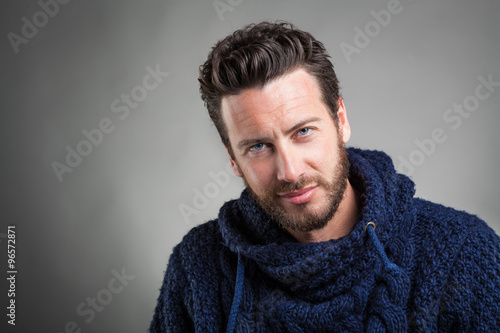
[324,238]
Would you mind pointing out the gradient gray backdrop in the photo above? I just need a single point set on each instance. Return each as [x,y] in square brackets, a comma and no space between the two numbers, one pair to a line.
[121,207]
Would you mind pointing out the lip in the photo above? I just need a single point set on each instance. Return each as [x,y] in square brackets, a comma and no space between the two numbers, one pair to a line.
[299,196]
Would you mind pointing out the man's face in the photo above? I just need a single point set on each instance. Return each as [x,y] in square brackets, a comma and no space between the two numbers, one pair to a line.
[288,150]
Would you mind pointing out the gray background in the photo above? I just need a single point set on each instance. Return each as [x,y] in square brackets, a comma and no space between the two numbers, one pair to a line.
[121,207]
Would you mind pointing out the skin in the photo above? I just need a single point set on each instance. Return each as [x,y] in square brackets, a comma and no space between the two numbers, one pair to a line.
[283,132]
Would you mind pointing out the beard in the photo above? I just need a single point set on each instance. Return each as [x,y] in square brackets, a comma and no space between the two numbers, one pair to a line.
[307,220]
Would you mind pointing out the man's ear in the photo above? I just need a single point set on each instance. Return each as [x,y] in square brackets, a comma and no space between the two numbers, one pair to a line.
[343,121]
[234,165]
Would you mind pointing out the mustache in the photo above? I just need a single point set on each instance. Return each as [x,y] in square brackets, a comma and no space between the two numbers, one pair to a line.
[301,183]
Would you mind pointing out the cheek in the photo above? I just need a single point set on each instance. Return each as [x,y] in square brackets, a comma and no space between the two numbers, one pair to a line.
[322,154]
[259,175]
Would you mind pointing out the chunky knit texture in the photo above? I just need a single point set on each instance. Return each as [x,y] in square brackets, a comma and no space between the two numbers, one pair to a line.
[423,268]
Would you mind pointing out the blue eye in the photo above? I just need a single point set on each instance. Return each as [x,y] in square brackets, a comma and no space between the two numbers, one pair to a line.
[257,147]
[304,131]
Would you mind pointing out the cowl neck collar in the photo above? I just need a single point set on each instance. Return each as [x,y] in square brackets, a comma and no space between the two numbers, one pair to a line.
[316,272]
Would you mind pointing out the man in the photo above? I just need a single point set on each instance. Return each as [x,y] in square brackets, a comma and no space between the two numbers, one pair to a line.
[323,238]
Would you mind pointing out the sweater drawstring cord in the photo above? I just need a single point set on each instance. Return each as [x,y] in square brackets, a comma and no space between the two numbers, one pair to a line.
[238,293]
[370,229]
[389,297]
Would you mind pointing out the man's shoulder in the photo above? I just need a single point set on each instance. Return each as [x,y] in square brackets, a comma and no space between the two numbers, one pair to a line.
[436,223]
[446,240]
[201,244]
[444,217]
[202,236]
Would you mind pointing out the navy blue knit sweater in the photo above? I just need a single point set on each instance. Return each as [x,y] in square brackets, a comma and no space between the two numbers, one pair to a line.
[422,268]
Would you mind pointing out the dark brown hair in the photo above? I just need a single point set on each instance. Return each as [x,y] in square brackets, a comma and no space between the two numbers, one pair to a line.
[257,54]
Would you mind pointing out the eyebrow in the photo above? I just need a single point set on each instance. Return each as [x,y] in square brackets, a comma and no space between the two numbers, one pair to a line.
[247,142]
[302,123]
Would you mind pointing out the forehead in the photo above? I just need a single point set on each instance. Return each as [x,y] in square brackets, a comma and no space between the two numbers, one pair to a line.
[281,101]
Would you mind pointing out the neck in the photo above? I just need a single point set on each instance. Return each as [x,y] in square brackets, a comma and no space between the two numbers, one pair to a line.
[341,223]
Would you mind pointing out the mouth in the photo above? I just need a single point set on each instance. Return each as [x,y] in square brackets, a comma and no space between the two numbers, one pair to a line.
[300,196]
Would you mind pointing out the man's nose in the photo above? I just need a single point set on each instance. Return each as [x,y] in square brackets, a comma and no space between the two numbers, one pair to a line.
[289,165]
